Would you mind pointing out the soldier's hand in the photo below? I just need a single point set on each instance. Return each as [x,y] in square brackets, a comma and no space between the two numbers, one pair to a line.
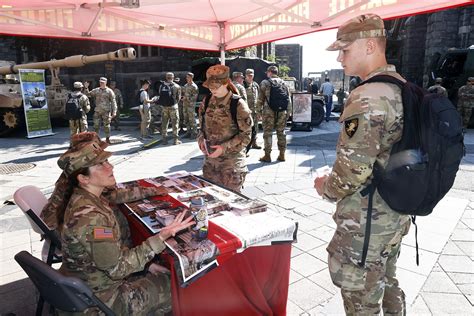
[176,226]
[319,184]
[200,141]
[156,268]
[218,150]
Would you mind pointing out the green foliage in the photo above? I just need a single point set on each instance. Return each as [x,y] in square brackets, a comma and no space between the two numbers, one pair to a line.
[271,58]
[284,71]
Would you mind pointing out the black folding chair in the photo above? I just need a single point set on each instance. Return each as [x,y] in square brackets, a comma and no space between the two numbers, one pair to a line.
[68,294]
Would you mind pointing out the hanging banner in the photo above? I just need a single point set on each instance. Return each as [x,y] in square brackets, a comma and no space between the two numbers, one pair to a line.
[35,103]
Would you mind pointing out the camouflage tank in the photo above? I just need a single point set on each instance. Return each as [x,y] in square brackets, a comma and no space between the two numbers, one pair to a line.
[11,101]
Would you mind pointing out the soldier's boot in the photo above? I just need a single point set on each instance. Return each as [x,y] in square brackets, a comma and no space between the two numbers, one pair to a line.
[107,140]
[281,156]
[177,141]
[255,145]
[266,157]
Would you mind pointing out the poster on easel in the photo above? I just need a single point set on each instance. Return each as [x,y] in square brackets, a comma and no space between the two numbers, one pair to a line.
[33,90]
[301,111]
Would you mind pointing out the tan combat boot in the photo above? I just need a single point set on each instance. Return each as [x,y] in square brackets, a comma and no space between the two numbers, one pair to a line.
[176,141]
[281,156]
[266,157]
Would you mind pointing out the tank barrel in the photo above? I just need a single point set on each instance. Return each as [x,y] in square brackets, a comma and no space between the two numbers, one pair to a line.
[122,54]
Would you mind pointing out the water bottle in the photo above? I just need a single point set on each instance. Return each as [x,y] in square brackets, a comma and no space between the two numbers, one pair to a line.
[199,211]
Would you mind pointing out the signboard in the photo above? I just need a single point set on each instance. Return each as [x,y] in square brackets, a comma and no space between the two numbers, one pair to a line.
[35,103]
[301,120]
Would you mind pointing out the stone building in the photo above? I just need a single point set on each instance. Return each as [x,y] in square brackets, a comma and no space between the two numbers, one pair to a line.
[291,55]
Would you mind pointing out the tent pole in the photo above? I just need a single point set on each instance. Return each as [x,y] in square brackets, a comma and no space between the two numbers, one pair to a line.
[222,41]
[222,55]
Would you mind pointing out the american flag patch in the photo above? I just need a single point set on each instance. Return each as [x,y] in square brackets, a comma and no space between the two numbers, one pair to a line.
[103,233]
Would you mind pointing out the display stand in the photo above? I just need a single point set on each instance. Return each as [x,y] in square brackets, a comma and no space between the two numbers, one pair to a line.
[302,111]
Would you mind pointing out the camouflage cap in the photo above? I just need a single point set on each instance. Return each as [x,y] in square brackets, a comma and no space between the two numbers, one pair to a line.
[216,76]
[169,75]
[190,74]
[470,79]
[249,71]
[86,137]
[439,80]
[78,85]
[362,26]
[103,79]
[82,156]
[237,74]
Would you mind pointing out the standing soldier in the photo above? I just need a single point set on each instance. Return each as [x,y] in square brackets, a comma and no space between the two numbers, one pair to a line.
[223,138]
[372,123]
[466,101]
[438,88]
[169,95]
[105,106]
[273,119]
[252,89]
[238,81]
[190,95]
[119,101]
[79,125]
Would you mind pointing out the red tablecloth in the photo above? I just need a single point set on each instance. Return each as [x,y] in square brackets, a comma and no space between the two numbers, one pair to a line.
[254,282]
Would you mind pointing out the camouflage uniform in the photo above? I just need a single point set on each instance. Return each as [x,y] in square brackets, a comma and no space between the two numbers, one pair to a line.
[270,119]
[437,88]
[119,101]
[252,90]
[105,108]
[241,90]
[372,122]
[190,93]
[170,113]
[78,126]
[466,102]
[229,169]
[96,250]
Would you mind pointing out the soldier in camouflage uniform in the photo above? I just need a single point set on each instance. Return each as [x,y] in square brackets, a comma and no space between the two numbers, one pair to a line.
[96,248]
[371,123]
[78,126]
[190,95]
[271,119]
[438,88]
[238,81]
[252,88]
[466,101]
[222,140]
[170,112]
[119,101]
[105,106]
[62,192]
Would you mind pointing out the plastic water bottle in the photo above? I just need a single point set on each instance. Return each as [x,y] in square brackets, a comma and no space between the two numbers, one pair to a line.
[199,211]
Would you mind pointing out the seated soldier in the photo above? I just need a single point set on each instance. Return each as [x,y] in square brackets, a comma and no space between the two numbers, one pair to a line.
[94,241]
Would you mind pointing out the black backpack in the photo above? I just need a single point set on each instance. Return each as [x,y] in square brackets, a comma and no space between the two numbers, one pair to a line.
[279,97]
[166,95]
[73,110]
[423,164]
[138,97]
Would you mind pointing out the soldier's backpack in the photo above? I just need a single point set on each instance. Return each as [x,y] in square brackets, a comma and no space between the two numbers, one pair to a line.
[279,96]
[73,110]
[138,97]
[423,164]
[234,103]
[166,95]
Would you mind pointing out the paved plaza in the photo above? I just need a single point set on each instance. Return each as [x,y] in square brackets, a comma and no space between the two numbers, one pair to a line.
[442,284]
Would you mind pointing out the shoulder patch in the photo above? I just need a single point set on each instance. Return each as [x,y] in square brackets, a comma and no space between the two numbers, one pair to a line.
[102,233]
[350,126]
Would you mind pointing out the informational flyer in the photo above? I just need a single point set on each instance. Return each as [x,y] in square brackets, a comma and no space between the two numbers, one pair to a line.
[33,89]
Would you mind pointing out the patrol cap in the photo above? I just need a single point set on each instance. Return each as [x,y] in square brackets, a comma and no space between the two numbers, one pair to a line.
[216,76]
[86,137]
[362,26]
[249,71]
[190,74]
[169,75]
[237,74]
[471,79]
[439,80]
[103,79]
[82,155]
[78,85]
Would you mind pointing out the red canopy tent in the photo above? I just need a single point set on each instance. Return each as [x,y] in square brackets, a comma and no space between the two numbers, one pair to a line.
[198,24]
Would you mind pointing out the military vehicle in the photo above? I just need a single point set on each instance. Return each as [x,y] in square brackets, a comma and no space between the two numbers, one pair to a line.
[11,101]
[455,66]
